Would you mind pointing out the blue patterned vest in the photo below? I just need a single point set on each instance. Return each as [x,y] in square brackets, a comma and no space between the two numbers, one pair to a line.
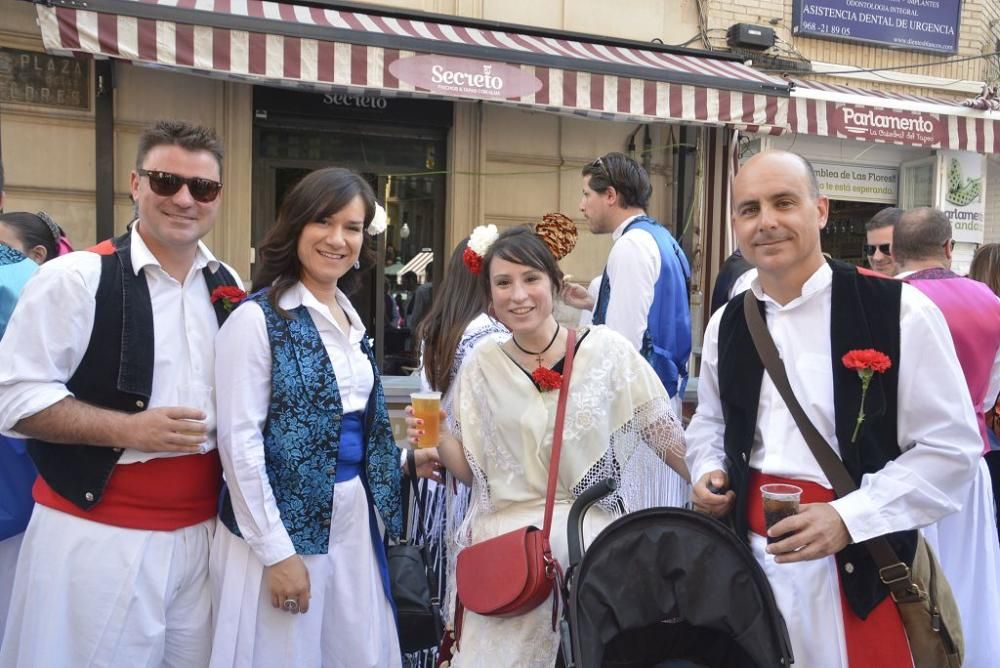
[666,343]
[302,435]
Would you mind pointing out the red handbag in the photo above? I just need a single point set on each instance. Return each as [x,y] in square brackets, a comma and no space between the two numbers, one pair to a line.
[515,572]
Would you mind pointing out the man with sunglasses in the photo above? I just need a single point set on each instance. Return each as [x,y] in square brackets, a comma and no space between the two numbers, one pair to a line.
[644,290]
[108,369]
[966,542]
[878,240]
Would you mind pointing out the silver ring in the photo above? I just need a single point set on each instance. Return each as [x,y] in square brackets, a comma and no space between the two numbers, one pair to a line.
[290,604]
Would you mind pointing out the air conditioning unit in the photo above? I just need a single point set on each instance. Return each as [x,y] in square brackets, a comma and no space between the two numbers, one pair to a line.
[749,36]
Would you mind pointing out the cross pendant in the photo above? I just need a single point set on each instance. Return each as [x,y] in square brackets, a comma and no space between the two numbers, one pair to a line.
[539,358]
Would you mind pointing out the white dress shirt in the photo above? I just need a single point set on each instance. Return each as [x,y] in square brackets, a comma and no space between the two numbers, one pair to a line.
[243,379]
[51,326]
[937,430]
[633,269]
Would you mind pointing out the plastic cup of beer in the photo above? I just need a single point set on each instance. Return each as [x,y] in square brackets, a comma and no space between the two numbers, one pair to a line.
[427,407]
[199,397]
[780,501]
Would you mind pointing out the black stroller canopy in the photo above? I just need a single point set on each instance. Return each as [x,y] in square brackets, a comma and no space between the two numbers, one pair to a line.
[668,583]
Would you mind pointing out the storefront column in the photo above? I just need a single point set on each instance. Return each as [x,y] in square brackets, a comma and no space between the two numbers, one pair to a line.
[231,240]
[104,148]
[466,182]
[712,243]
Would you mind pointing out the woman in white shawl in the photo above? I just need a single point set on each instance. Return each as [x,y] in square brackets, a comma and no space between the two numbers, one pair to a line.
[619,424]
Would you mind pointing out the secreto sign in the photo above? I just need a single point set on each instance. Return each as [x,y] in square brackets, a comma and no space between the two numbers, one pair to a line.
[916,25]
[464,77]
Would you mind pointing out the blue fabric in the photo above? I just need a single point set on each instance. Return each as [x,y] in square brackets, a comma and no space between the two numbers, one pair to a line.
[17,472]
[302,435]
[352,446]
[666,343]
[17,475]
[15,270]
[349,465]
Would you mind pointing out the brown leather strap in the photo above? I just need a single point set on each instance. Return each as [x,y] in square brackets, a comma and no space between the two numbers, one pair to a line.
[557,433]
[893,572]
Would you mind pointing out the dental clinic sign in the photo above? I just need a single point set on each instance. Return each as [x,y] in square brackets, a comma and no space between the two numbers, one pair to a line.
[887,125]
[465,77]
[914,25]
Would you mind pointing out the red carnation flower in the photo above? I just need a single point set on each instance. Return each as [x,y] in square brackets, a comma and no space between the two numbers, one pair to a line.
[867,363]
[230,296]
[547,379]
[472,261]
[867,359]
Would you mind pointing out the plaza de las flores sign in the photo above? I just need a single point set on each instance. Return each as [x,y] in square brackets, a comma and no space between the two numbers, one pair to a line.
[857,183]
[886,125]
[30,77]
[913,25]
[464,77]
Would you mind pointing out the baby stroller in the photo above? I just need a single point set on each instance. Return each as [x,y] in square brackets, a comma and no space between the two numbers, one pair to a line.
[665,584]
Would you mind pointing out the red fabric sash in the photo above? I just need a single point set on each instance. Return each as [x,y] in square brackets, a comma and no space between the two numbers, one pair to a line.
[879,640]
[162,494]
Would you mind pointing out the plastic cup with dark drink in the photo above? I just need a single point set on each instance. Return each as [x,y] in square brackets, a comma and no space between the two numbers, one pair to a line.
[780,501]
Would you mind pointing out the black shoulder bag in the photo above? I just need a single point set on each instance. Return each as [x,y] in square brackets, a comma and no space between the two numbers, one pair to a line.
[413,581]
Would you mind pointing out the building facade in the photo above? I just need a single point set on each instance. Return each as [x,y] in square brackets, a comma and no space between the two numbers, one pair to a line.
[484,112]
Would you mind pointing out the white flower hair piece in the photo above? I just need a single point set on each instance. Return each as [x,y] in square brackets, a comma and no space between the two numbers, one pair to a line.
[479,242]
[482,238]
[379,221]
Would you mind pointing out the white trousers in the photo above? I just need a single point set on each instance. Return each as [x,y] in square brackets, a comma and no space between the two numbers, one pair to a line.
[91,594]
[808,596]
[9,549]
[350,623]
[966,545]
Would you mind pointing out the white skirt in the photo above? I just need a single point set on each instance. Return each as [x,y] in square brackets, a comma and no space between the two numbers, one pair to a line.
[967,547]
[350,622]
[8,563]
[92,594]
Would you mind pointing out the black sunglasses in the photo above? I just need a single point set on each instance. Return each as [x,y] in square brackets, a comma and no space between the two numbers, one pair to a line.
[166,184]
[870,249]
[599,165]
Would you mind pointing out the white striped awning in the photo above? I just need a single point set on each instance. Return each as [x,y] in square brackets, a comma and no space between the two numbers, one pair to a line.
[419,263]
[311,45]
[891,118]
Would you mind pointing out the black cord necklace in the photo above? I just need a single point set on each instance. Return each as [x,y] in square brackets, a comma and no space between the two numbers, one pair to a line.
[538,355]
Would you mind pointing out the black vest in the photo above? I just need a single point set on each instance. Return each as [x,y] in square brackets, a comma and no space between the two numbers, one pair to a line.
[865,314]
[734,267]
[116,371]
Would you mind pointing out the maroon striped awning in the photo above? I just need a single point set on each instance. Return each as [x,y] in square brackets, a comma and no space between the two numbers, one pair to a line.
[312,45]
[891,118]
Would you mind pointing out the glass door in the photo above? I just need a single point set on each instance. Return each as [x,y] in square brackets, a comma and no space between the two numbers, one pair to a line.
[917,183]
[405,168]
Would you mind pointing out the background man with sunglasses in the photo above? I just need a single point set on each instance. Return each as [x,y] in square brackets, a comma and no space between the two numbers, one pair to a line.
[878,240]
[966,542]
[643,292]
[108,368]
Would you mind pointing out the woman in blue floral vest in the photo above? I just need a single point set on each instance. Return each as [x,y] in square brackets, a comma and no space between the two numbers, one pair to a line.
[299,570]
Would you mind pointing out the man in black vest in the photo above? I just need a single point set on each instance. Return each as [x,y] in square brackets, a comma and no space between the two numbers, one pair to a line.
[108,369]
[913,465]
